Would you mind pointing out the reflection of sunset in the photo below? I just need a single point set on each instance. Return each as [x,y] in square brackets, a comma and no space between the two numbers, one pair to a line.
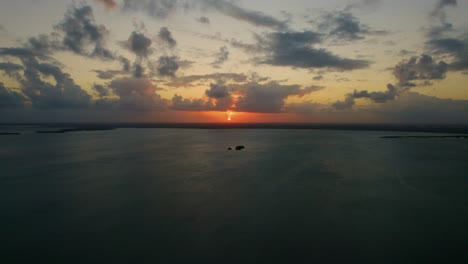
[243,117]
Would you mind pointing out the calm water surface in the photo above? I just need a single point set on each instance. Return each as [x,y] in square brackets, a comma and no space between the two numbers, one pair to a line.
[178,196]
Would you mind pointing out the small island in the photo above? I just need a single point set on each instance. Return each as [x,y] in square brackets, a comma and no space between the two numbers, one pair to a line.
[457,136]
[9,133]
[76,129]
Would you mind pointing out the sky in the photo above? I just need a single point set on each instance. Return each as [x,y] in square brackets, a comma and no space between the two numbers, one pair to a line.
[307,61]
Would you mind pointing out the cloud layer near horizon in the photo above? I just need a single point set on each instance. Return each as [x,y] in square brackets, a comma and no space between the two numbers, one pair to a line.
[165,69]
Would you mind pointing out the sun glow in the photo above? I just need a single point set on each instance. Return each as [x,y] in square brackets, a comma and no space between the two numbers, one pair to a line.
[229,115]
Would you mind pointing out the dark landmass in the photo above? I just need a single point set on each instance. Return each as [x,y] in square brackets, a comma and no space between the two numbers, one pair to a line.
[240,147]
[459,136]
[68,130]
[9,133]
[429,128]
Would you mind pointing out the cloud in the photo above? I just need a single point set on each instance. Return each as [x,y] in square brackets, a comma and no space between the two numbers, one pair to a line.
[344,26]
[456,48]
[125,63]
[101,90]
[414,72]
[203,20]
[134,94]
[378,97]
[111,4]
[309,89]
[364,4]
[153,8]
[221,57]
[423,69]
[183,104]
[18,52]
[440,42]
[139,44]
[417,108]
[439,10]
[139,70]
[9,98]
[190,80]
[266,98]
[108,74]
[243,97]
[253,17]
[64,93]
[217,91]
[45,44]
[82,35]
[167,65]
[295,49]
[166,36]
[11,69]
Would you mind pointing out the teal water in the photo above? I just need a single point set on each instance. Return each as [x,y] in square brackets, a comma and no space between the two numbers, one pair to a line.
[178,196]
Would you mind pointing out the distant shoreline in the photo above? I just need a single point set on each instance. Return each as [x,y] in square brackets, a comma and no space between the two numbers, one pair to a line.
[72,127]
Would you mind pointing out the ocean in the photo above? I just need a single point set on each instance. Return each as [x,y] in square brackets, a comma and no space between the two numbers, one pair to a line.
[168,195]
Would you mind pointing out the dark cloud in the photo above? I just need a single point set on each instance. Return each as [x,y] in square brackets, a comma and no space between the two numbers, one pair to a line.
[249,48]
[378,97]
[44,44]
[422,68]
[253,17]
[243,97]
[166,36]
[416,71]
[164,8]
[154,8]
[185,64]
[167,65]
[344,26]
[101,90]
[9,98]
[111,4]
[217,91]
[266,98]
[139,70]
[183,104]
[417,108]
[221,57]
[81,33]
[139,44]
[441,25]
[295,49]
[18,52]
[309,89]
[203,20]
[134,94]
[108,74]
[64,93]
[439,10]
[364,4]
[190,80]
[125,63]
[406,53]
[442,43]
[318,78]
[456,48]
[11,69]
